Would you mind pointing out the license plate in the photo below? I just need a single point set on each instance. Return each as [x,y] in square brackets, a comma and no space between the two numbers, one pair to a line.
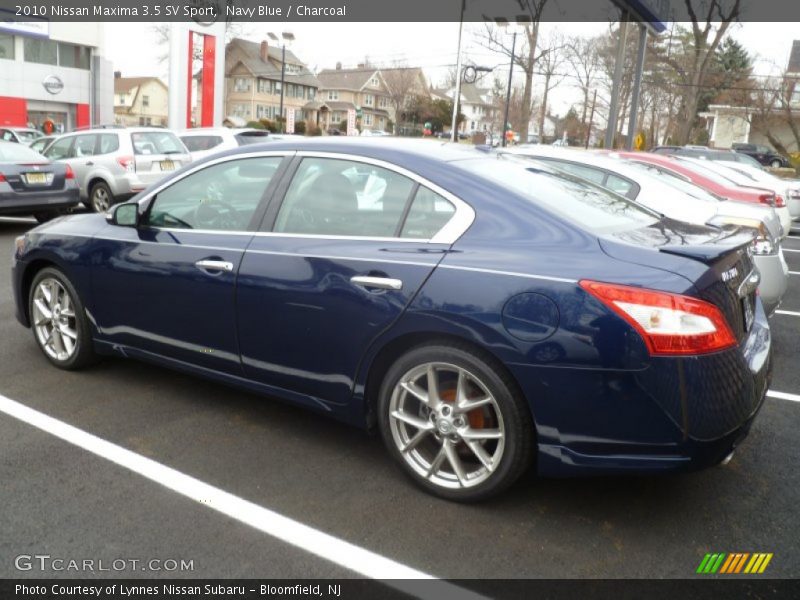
[747,305]
[36,177]
[167,165]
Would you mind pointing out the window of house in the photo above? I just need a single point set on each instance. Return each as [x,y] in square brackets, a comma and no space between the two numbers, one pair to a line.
[6,46]
[383,102]
[44,52]
[145,121]
[369,100]
[262,86]
[241,84]
[333,95]
[374,82]
[796,95]
[122,99]
[70,55]
[367,119]
[145,100]
[241,110]
[312,92]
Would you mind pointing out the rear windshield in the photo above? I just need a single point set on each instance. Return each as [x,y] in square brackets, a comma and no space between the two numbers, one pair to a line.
[687,187]
[197,143]
[11,152]
[27,135]
[251,137]
[156,142]
[585,204]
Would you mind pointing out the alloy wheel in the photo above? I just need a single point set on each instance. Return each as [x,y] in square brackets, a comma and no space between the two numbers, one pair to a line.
[446,425]
[100,200]
[54,320]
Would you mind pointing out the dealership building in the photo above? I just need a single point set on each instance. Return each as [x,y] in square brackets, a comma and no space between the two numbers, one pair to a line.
[54,72]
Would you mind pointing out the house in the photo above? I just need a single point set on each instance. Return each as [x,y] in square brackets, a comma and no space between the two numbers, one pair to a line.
[477,105]
[140,100]
[362,88]
[253,83]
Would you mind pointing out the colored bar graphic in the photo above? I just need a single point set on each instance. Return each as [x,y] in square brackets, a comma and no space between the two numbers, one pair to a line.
[734,563]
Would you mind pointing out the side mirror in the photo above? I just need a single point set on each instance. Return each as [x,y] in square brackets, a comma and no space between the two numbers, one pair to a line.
[124,215]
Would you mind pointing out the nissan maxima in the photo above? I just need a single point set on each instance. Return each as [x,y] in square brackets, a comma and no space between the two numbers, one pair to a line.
[484,317]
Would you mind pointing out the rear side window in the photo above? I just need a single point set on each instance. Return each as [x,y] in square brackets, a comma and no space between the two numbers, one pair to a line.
[59,149]
[109,142]
[196,143]
[428,214]
[156,142]
[341,197]
[84,145]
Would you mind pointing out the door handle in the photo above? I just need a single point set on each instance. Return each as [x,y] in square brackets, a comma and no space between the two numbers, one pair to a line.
[214,265]
[381,283]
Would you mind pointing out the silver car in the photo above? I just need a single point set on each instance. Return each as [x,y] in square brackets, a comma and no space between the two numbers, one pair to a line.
[111,165]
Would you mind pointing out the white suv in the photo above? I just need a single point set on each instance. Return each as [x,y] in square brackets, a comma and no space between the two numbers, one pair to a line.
[111,165]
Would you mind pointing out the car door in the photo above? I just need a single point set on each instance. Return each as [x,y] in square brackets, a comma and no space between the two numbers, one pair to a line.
[82,155]
[338,260]
[167,287]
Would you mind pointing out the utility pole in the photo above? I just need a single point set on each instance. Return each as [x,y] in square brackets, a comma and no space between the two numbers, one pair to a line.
[457,96]
[591,120]
[508,91]
[611,128]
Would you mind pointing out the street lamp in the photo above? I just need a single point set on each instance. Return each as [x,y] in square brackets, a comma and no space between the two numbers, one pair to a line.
[287,37]
[513,30]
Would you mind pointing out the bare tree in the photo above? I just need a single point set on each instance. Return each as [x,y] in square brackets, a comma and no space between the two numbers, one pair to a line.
[403,86]
[775,106]
[584,61]
[525,55]
[553,57]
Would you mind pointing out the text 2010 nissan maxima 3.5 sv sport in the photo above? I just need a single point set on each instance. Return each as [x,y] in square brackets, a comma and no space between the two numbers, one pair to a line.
[482,315]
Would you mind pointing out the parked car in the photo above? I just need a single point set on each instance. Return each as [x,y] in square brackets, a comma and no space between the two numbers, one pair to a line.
[374,133]
[19,135]
[481,316]
[41,144]
[680,200]
[204,141]
[112,165]
[704,152]
[759,176]
[32,185]
[763,154]
[740,179]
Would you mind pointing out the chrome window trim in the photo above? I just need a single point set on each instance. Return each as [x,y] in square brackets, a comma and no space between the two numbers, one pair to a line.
[458,224]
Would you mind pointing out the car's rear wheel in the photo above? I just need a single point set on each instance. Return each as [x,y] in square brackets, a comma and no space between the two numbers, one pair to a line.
[454,422]
[775,164]
[100,197]
[59,322]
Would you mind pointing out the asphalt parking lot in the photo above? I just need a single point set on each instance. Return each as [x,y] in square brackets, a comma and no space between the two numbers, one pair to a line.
[61,500]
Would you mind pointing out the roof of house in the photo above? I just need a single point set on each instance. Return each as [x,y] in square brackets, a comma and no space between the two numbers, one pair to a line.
[345,79]
[794,58]
[126,84]
[251,59]
[470,94]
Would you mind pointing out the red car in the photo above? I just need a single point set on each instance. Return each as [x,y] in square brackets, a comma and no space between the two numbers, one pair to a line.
[705,179]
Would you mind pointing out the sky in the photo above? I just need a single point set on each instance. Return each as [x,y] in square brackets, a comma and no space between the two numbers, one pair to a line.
[431,46]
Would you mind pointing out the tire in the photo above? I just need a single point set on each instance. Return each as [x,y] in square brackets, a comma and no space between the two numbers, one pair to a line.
[59,322]
[776,164]
[100,197]
[433,436]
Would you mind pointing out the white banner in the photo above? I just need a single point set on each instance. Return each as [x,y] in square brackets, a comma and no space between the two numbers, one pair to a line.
[290,121]
[351,122]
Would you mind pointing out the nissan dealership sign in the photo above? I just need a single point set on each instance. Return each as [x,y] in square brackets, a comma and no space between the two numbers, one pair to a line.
[53,84]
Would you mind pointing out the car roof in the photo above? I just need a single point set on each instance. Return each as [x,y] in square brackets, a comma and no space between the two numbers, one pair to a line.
[213,130]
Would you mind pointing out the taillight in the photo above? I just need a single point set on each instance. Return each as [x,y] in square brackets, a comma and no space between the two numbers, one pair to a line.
[768,199]
[670,324]
[2,178]
[69,173]
[779,202]
[126,162]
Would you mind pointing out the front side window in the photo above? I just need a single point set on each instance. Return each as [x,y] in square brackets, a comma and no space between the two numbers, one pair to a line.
[341,197]
[222,197]
[59,149]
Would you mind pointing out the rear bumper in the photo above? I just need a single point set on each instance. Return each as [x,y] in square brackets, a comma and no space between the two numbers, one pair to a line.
[786,220]
[26,203]
[677,414]
[794,208]
[774,279]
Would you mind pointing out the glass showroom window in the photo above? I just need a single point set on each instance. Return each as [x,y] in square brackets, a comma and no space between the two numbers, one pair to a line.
[6,46]
[44,52]
[70,55]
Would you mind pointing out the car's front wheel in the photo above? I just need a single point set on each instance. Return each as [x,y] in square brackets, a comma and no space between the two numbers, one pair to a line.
[58,320]
[455,423]
[775,164]
[100,197]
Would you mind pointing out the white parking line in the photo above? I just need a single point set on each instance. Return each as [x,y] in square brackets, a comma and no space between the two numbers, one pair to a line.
[783,396]
[791,313]
[347,555]
[790,250]
[794,272]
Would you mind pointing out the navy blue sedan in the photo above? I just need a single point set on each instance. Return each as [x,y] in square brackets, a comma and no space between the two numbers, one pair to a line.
[482,314]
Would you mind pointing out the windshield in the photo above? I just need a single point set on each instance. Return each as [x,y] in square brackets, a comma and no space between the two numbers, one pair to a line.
[588,206]
[14,153]
[156,142]
[27,135]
